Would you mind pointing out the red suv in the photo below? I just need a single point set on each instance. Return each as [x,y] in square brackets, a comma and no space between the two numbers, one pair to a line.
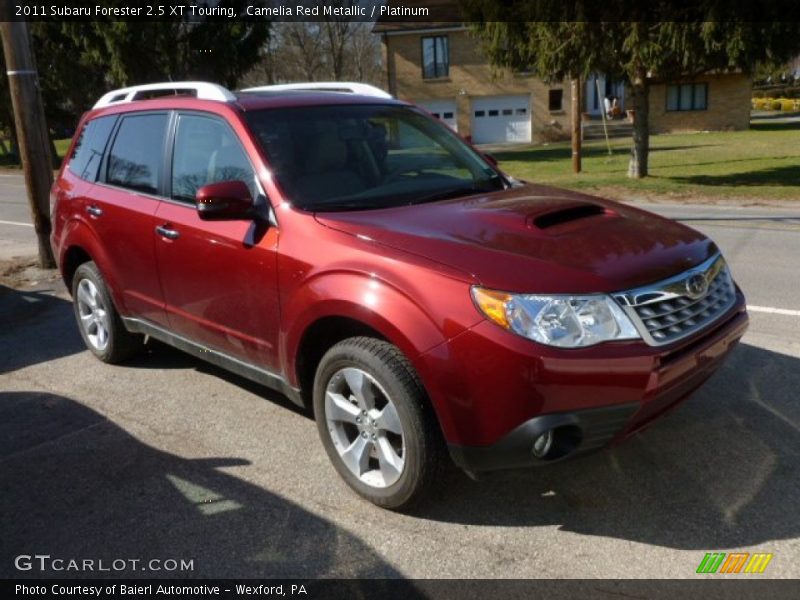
[357,255]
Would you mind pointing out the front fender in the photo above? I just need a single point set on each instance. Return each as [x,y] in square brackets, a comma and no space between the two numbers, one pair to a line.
[366,299]
[434,310]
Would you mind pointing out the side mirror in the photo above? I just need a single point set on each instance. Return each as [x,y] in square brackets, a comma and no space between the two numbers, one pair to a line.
[224,201]
[490,158]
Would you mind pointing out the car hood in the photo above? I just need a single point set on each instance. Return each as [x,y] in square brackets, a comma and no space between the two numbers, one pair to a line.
[536,238]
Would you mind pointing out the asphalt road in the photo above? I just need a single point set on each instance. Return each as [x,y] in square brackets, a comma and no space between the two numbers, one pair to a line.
[166,457]
[16,228]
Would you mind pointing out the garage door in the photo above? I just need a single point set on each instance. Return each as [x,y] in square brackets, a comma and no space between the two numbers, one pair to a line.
[441,109]
[497,119]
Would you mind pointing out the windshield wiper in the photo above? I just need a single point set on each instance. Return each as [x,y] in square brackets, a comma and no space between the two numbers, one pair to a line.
[342,206]
[451,193]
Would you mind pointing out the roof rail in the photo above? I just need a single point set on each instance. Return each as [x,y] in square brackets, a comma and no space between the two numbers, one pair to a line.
[201,89]
[347,87]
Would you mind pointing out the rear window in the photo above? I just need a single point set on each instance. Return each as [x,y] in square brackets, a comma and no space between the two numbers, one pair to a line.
[89,147]
[137,153]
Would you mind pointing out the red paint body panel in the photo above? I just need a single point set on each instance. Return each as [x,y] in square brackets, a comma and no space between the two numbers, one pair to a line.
[253,291]
[494,238]
[120,241]
[326,273]
[220,283]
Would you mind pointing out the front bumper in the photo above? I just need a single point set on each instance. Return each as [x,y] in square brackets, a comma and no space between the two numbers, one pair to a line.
[576,433]
[507,390]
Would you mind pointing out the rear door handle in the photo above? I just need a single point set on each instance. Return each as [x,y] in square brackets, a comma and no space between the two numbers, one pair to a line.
[94,210]
[167,232]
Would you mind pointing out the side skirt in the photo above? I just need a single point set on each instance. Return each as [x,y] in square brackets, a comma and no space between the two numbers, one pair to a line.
[242,368]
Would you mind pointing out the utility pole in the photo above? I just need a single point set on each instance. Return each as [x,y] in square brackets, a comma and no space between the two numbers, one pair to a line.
[32,134]
[575,89]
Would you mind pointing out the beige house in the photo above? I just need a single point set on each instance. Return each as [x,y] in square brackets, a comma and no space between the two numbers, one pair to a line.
[441,68]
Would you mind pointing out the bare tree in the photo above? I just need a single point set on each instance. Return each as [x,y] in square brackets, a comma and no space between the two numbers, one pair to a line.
[365,55]
[338,31]
[303,49]
[335,50]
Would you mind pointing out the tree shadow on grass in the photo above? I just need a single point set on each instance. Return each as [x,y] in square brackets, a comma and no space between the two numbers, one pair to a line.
[776,126]
[547,154]
[788,175]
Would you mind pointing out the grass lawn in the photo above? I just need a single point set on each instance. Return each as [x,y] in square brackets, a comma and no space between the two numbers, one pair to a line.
[760,164]
[8,162]
[62,146]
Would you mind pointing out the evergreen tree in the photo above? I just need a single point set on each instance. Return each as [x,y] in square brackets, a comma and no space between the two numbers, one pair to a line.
[640,42]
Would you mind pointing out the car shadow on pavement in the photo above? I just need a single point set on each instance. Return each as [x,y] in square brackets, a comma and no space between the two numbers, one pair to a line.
[47,324]
[40,326]
[722,471]
[158,355]
[76,486]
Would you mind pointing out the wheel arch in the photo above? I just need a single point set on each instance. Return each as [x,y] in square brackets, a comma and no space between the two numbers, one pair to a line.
[79,245]
[317,339]
[74,257]
[348,303]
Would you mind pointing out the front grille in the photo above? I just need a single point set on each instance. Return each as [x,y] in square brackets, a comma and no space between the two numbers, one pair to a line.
[680,306]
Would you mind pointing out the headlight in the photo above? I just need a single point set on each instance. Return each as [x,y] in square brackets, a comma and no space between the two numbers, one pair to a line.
[563,321]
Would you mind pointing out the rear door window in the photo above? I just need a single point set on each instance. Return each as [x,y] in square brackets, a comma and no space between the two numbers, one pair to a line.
[137,155]
[88,152]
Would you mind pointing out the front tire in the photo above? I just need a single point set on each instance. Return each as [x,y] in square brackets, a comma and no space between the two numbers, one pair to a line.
[376,424]
[98,321]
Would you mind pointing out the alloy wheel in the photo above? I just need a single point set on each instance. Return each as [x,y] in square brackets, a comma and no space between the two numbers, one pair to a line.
[365,428]
[93,314]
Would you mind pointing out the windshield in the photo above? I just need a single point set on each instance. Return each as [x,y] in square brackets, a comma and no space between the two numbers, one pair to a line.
[358,157]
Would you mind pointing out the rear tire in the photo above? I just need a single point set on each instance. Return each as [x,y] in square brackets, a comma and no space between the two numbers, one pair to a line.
[376,424]
[98,321]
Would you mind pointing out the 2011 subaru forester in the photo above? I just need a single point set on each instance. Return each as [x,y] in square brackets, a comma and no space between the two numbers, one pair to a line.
[356,254]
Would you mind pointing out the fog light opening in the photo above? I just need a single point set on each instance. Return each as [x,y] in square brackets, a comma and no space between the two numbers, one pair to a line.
[543,444]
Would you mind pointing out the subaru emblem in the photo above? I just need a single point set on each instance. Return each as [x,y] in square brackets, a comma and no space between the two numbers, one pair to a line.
[696,286]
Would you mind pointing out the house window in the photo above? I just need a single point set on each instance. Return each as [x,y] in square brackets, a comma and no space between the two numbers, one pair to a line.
[435,57]
[555,99]
[687,96]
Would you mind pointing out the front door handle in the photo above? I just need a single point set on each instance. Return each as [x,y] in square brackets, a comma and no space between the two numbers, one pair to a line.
[94,210]
[167,232]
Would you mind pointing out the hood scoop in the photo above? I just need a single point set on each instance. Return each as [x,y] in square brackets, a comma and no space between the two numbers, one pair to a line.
[565,215]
